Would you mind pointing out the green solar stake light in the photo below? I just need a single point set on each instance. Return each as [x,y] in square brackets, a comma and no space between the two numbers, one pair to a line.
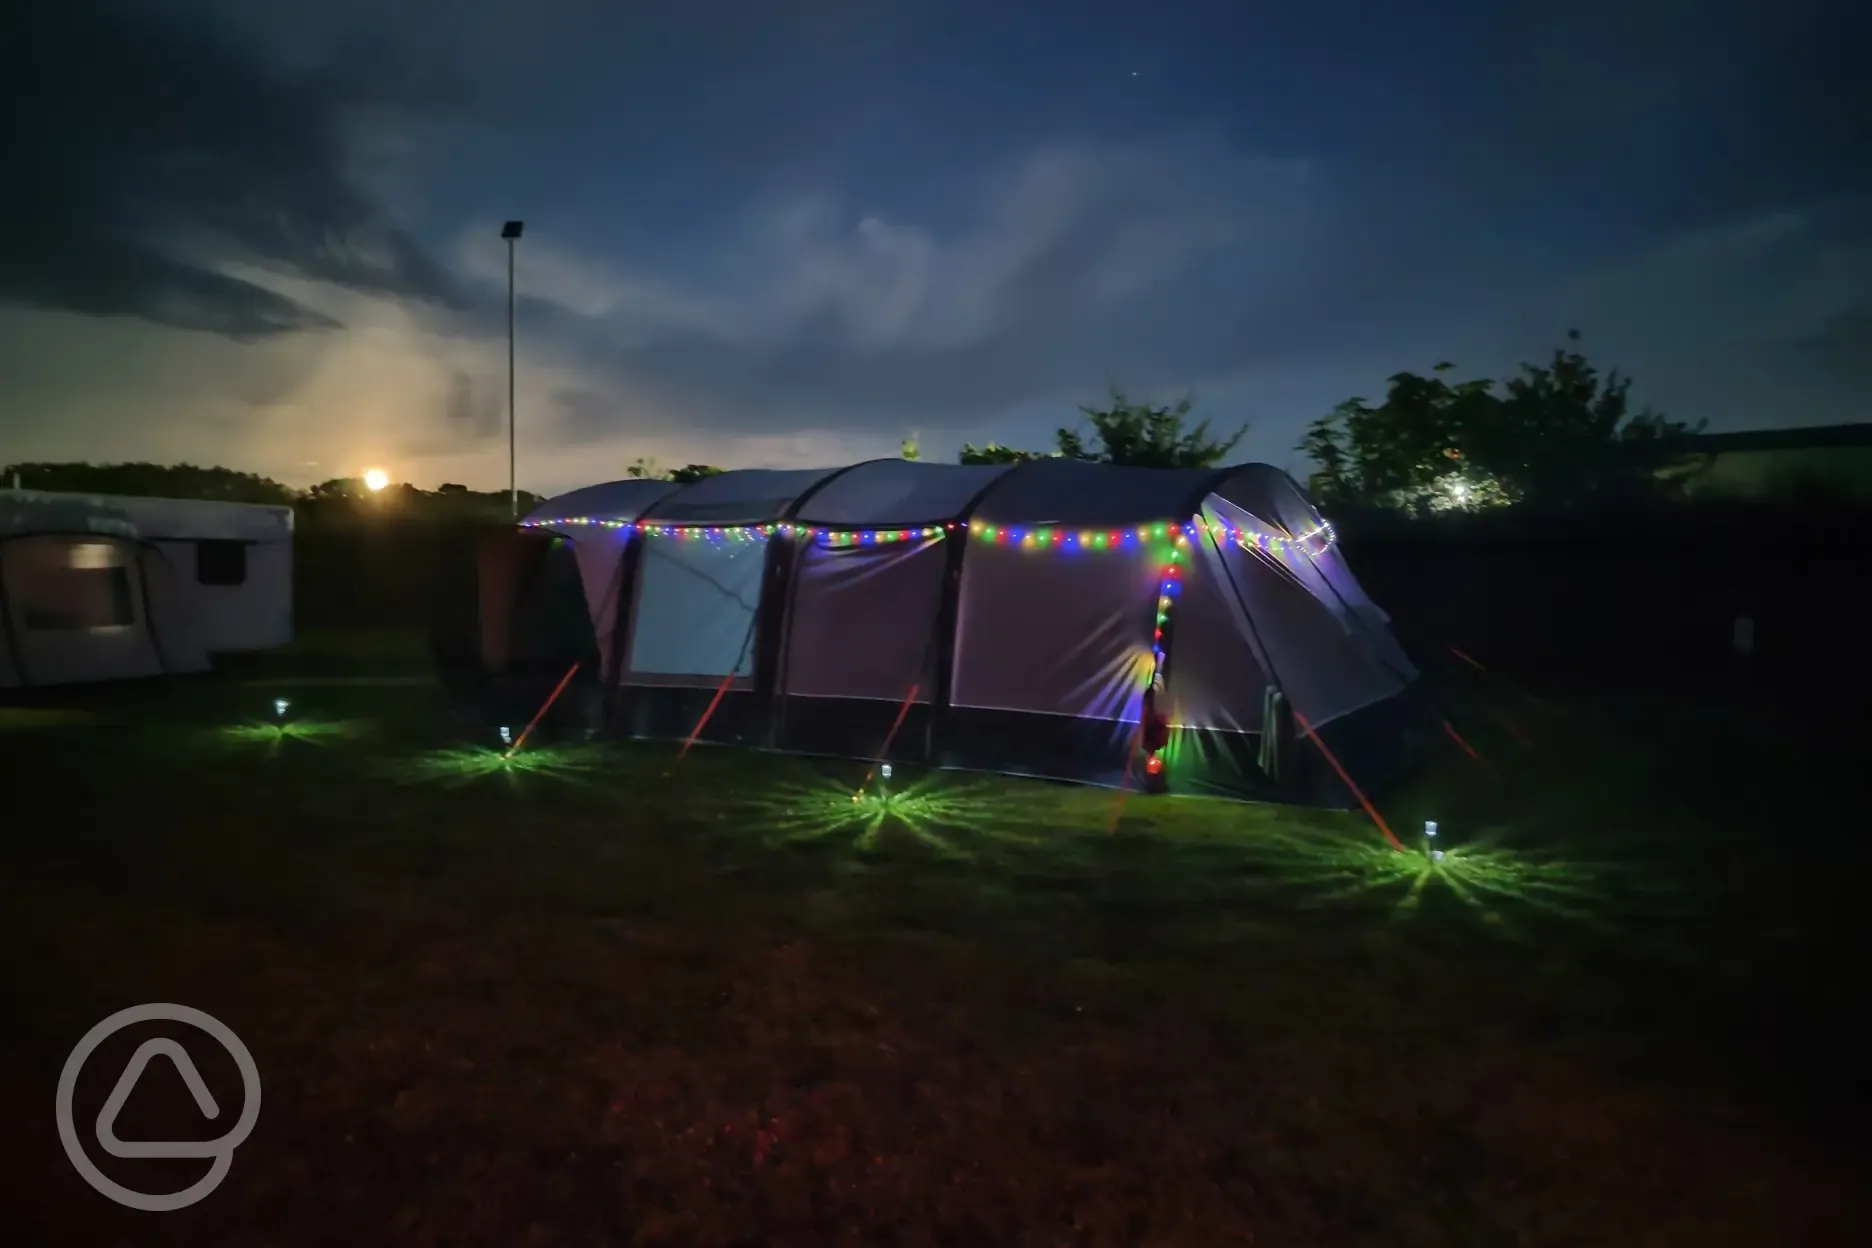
[280,707]
[1430,849]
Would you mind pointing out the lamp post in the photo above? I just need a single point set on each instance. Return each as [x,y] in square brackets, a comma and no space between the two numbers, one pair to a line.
[511,232]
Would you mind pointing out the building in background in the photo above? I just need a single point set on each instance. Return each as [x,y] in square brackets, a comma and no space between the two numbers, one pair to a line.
[1825,462]
[96,587]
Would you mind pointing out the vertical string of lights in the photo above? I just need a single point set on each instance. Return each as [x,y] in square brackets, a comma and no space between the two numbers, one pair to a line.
[1154,721]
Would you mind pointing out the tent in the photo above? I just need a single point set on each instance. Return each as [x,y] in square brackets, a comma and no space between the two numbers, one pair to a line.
[1057,618]
[83,597]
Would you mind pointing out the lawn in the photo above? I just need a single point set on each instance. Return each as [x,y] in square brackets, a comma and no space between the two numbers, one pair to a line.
[599,995]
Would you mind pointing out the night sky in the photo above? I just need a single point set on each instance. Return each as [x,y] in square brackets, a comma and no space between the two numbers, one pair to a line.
[770,234]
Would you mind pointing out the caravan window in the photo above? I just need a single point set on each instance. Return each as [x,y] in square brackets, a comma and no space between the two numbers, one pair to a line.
[60,599]
[220,563]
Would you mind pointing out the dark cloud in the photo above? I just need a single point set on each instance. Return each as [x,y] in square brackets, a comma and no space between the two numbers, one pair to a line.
[582,415]
[145,155]
[1842,348]
[472,414]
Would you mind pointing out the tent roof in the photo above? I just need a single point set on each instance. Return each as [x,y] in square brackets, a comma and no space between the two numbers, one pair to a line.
[151,519]
[201,519]
[745,496]
[898,492]
[1073,491]
[887,492]
[25,512]
[614,500]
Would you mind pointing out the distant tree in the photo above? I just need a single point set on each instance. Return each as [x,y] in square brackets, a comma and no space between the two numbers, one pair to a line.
[345,501]
[1408,452]
[145,480]
[1124,431]
[1566,434]
[1556,435]
[644,468]
[1147,435]
[995,453]
[337,487]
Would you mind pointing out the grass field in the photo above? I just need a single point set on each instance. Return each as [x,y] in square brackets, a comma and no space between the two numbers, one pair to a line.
[600,997]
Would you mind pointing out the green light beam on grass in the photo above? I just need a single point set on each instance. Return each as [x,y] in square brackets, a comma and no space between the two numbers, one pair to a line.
[1318,864]
[272,737]
[934,811]
[456,766]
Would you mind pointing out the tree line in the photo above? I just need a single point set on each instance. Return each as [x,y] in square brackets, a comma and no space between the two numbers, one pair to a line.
[1559,434]
[338,500]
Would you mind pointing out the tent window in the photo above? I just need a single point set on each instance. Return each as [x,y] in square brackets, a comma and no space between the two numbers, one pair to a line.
[66,599]
[221,563]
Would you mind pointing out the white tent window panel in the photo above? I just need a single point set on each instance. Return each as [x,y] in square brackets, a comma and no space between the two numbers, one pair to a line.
[1062,634]
[1325,671]
[696,608]
[864,620]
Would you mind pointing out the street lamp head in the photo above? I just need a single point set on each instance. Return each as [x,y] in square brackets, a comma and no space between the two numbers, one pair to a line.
[512,229]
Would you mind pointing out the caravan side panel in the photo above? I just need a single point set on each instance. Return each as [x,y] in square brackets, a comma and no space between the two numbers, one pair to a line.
[239,591]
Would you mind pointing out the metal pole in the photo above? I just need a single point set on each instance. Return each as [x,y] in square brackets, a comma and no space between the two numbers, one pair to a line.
[513,487]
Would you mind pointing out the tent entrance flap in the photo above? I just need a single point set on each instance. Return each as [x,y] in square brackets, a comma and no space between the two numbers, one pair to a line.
[864,619]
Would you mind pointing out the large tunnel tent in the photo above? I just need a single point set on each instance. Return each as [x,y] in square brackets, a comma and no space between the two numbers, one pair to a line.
[1025,619]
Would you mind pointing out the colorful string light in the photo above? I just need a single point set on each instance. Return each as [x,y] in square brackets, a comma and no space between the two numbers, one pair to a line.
[1169,587]
[1028,537]
[719,533]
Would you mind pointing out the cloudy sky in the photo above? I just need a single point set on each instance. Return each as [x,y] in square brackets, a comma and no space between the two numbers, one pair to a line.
[793,232]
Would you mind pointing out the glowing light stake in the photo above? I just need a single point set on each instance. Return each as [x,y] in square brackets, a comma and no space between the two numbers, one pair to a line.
[885,771]
[506,735]
[279,707]
[1430,850]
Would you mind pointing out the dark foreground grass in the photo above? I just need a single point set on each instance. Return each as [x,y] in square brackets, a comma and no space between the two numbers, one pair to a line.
[597,996]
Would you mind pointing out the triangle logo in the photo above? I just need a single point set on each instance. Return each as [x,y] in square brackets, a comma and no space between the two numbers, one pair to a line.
[126,1084]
